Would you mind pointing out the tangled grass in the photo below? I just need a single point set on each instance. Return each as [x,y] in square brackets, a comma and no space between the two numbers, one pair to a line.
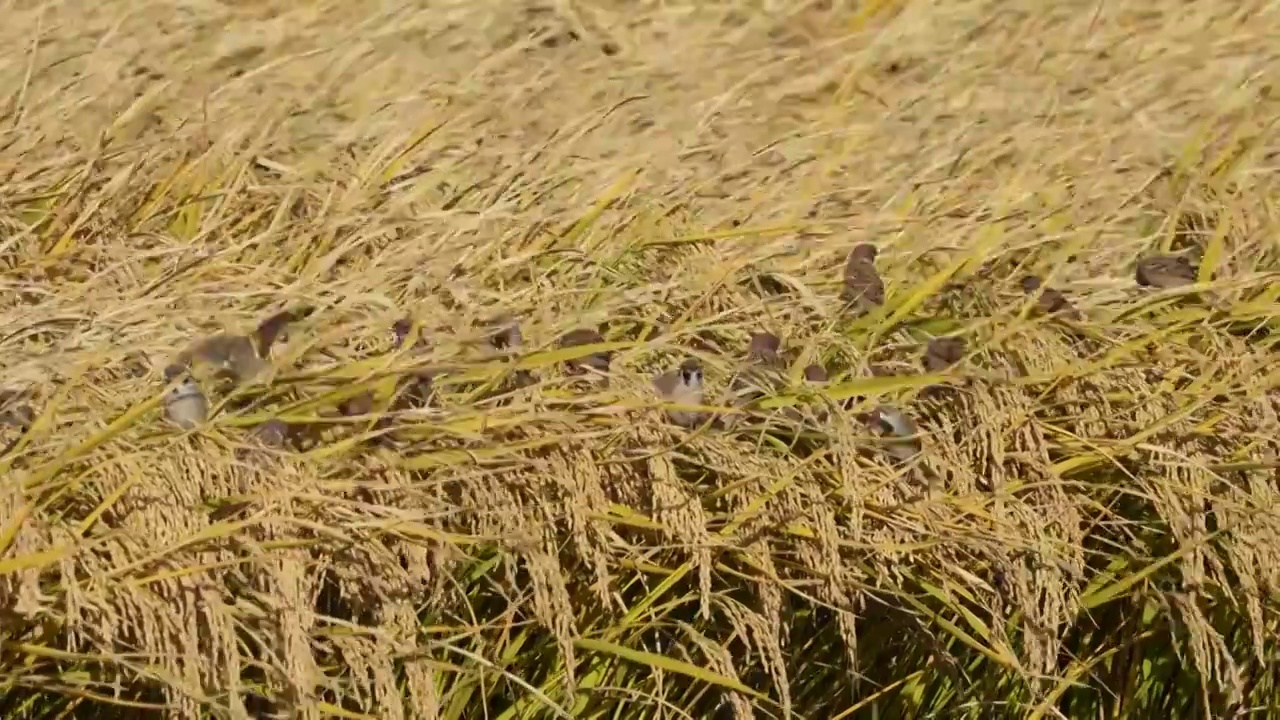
[1103,541]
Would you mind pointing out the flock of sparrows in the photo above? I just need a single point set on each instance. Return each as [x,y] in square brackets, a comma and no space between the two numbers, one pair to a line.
[242,358]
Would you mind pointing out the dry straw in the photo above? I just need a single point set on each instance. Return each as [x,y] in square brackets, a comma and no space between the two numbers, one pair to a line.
[1088,530]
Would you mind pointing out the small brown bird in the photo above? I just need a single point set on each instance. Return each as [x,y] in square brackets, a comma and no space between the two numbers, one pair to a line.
[275,434]
[1050,301]
[898,429]
[757,378]
[943,352]
[863,288]
[815,374]
[595,361]
[14,411]
[1165,271]
[241,357]
[361,404]
[185,405]
[764,354]
[765,348]
[400,330]
[507,337]
[272,433]
[506,333]
[878,370]
[682,386]
[413,391]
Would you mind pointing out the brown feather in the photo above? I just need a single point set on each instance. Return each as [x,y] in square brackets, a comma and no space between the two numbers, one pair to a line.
[862,283]
[941,353]
[1050,301]
[595,361]
[1164,271]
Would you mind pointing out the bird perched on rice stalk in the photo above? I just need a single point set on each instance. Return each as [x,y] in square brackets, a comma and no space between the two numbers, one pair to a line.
[940,354]
[272,433]
[14,410]
[506,333]
[185,404]
[863,287]
[239,357]
[1164,271]
[901,440]
[415,389]
[760,374]
[597,362]
[815,374]
[943,352]
[898,430]
[765,348]
[1049,301]
[507,337]
[683,386]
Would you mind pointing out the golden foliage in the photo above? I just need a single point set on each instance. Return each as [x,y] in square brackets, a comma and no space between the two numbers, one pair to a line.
[698,169]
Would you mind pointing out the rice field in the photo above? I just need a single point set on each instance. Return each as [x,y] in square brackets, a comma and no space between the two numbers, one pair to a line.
[1085,526]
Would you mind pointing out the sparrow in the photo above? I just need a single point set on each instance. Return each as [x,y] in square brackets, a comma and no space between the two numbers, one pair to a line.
[241,357]
[13,411]
[943,352]
[272,433]
[400,330]
[898,429]
[507,337]
[185,405]
[874,370]
[682,386]
[361,404]
[815,374]
[1050,301]
[863,288]
[414,390]
[1165,271]
[764,348]
[765,363]
[760,374]
[596,361]
[506,334]
[879,370]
